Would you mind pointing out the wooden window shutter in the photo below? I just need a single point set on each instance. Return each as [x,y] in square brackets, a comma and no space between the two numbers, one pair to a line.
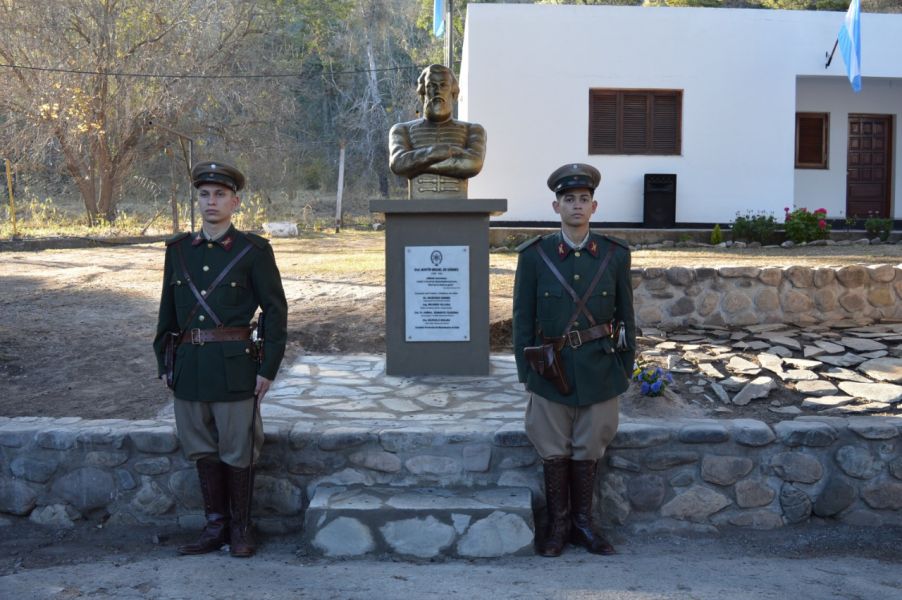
[602,123]
[811,140]
[635,121]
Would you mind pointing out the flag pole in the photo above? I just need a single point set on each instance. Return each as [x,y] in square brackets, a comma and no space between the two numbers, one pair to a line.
[830,54]
[449,34]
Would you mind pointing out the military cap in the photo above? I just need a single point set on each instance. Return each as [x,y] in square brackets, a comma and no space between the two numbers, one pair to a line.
[219,173]
[574,175]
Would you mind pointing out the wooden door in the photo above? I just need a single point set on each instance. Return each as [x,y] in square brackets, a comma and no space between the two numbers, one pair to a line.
[869,165]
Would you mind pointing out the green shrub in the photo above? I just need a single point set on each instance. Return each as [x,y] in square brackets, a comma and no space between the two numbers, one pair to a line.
[716,235]
[803,226]
[754,227]
[878,227]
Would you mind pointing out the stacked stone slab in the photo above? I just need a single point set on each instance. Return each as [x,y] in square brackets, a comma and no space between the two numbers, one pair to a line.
[736,296]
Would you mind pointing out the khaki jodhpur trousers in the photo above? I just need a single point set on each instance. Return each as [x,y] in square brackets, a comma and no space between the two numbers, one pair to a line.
[576,432]
[219,429]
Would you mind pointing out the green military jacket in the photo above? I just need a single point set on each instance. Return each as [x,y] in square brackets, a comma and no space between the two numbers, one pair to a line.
[596,370]
[221,371]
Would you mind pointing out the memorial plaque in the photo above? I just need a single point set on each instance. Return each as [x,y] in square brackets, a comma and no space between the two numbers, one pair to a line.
[437,293]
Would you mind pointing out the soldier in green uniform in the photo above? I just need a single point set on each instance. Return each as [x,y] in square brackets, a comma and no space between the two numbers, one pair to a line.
[572,428]
[213,283]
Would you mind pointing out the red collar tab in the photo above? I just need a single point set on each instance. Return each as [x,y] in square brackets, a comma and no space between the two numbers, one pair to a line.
[226,242]
[563,250]
[592,248]
[198,239]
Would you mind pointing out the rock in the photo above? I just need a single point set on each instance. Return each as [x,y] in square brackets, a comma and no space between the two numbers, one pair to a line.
[432,465]
[695,504]
[86,488]
[281,229]
[829,347]
[59,516]
[278,495]
[805,433]
[16,497]
[153,466]
[32,469]
[709,370]
[852,276]
[873,392]
[103,458]
[795,503]
[883,369]
[737,364]
[405,439]
[862,518]
[516,458]
[873,429]
[858,462]
[801,363]
[837,496]
[883,494]
[826,402]
[703,433]
[756,519]
[725,470]
[844,375]
[646,492]
[682,479]
[185,485]
[151,500]
[786,342]
[423,538]
[781,351]
[735,302]
[344,537]
[478,457]
[750,432]
[846,360]
[816,388]
[861,344]
[155,440]
[800,375]
[772,363]
[615,508]
[895,467]
[640,435]
[377,460]
[734,383]
[751,493]
[785,410]
[797,302]
[511,435]
[660,461]
[759,387]
[795,466]
[340,438]
[720,392]
[57,439]
[809,351]
[498,534]
[618,462]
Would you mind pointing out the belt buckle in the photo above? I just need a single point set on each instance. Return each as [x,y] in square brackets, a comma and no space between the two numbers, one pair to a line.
[195,337]
[574,342]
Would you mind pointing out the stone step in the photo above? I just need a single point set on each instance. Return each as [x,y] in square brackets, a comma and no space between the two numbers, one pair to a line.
[344,521]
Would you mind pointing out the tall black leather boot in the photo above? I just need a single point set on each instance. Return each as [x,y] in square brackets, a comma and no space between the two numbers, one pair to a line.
[212,475]
[557,500]
[582,489]
[241,483]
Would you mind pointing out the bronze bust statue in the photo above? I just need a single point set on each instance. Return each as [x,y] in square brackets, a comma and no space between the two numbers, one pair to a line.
[437,153]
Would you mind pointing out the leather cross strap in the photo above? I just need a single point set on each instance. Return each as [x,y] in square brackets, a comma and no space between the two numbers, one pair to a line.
[595,331]
[200,297]
[219,334]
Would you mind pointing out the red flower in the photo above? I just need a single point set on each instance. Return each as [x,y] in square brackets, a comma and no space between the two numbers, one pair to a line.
[821,210]
[822,224]
[785,209]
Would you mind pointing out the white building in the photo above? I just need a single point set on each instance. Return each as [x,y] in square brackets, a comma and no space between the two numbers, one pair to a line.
[715,96]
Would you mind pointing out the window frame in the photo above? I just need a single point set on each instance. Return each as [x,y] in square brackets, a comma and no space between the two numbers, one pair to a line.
[824,162]
[619,127]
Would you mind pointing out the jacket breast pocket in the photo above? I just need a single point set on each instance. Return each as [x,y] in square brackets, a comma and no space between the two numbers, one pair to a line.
[234,291]
[602,301]
[181,292]
[240,367]
[550,307]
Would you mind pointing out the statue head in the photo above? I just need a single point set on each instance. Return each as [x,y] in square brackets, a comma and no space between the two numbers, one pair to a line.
[438,89]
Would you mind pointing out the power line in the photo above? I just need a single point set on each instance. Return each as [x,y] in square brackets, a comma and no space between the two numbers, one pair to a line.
[202,76]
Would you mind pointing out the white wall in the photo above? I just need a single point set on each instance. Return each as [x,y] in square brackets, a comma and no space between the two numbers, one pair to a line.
[827,188]
[527,71]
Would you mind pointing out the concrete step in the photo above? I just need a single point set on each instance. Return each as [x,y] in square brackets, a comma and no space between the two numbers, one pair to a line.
[344,521]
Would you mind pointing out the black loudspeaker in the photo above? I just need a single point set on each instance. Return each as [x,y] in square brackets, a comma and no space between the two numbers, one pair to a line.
[660,200]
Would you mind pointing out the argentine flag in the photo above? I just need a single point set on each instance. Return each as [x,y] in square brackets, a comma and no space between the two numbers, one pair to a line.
[438,18]
[850,44]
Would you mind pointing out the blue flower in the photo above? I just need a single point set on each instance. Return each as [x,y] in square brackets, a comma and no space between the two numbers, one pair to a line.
[656,387]
[645,388]
[669,378]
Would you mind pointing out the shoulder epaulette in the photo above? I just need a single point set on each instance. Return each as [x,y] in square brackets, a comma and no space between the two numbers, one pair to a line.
[257,240]
[617,241]
[177,238]
[528,243]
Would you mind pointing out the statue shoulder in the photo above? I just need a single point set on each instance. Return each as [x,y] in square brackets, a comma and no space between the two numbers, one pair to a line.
[177,238]
[528,243]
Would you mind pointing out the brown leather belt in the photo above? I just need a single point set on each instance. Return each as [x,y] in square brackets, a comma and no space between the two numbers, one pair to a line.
[218,334]
[575,339]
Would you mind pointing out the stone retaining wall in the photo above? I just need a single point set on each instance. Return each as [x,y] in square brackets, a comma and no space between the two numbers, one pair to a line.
[676,475]
[738,296]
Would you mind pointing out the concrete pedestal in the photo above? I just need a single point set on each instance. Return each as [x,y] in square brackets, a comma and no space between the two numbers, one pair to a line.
[437,223]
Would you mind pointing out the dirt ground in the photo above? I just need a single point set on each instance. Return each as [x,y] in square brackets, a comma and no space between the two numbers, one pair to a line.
[76,325]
